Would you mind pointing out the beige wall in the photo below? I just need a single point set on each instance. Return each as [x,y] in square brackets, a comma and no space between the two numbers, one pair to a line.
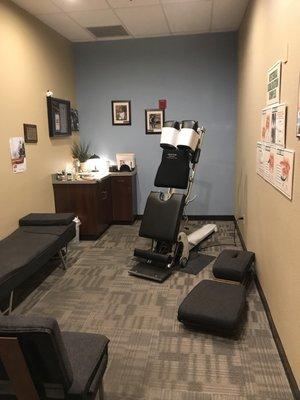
[33,59]
[272,222]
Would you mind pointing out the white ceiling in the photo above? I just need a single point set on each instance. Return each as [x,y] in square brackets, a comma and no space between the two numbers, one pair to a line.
[140,18]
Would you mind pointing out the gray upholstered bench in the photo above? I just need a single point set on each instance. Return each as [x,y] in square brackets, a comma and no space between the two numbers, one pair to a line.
[217,306]
[31,246]
[38,361]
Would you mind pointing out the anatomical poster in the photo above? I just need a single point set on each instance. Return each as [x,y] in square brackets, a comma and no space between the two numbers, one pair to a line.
[266,117]
[280,125]
[17,153]
[284,168]
[269,164]
[260,159]
[273,122]
[274,84]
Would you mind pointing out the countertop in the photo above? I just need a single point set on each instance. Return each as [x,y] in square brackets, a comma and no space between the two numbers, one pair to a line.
[97,177]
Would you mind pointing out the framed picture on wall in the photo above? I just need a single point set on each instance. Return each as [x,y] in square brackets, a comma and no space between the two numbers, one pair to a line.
[30,133]
[121,112]
[154,120]
[59,117]
[74,120]
[274,84]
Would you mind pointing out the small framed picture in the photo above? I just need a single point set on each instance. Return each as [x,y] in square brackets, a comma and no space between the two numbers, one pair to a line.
[154,120]
[121,112]
[74,120]
[30,133]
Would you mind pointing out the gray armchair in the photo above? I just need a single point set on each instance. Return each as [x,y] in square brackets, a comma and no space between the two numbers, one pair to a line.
[38,361]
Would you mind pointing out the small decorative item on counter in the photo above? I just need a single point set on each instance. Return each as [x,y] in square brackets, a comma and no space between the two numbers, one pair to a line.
[81,152]
[69,176]
[59,176]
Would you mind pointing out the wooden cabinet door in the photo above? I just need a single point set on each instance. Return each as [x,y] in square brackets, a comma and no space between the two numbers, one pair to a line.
[122,198]
[81,199]
[105,204]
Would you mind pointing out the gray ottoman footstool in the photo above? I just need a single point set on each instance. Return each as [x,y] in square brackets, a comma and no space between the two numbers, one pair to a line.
[214,306]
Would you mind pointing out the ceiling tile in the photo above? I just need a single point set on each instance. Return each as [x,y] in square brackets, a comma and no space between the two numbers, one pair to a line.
[227,14]
[81,5]
[131,3]
[189,16]
[144,21]
[66,27]
[95,18]
[38,6]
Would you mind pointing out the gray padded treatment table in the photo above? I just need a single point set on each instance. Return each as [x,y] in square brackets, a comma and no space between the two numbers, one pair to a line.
[30,247]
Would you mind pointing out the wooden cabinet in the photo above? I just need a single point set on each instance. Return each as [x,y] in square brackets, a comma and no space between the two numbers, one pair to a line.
[98,204]
[105,204]
[83,200]
[123,198]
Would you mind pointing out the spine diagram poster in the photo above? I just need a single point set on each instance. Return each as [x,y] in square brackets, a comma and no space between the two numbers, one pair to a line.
[273,124]
[260,159]
[269,164]
[276,166]
[284,167]
[17,153]
[274,84]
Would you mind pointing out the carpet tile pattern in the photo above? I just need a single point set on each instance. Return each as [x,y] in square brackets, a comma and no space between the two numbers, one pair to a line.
[151,355]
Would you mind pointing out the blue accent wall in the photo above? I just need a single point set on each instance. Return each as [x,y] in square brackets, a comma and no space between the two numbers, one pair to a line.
[198,77]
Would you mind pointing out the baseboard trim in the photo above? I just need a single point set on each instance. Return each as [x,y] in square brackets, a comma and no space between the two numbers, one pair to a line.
[204,217]
[285,362]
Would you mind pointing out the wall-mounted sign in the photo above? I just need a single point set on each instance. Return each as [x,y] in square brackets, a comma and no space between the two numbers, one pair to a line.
[17,154]
[276,166]
[30,133]
[273,122]
[274,84]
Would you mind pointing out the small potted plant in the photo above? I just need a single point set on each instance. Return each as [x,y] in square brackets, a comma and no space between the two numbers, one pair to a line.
[81,153]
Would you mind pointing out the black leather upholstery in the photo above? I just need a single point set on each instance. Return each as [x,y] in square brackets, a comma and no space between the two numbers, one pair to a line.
[47,219]
[63,365]
[214,306]
[42,345]
[161,220]
[174,169]
[27,249]
[233,265]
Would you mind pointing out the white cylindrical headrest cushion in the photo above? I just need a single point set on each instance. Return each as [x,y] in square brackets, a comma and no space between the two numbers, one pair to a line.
[188,138]
[169,137]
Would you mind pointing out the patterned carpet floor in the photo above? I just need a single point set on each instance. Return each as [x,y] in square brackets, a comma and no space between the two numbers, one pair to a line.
[151,355]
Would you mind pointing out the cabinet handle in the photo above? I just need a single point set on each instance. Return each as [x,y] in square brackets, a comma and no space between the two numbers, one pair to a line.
[104,195]
[120,180]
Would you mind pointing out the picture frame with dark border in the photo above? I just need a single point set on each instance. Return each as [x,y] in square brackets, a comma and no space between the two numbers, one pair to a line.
[74,120]
[59,117]
[121,112]
[30,133]
[154,120]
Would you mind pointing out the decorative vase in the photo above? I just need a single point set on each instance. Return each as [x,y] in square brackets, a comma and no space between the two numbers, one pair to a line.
[83,166]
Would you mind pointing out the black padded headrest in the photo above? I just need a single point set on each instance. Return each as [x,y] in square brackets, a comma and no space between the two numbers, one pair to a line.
[172,124]
[191,124]
[174,169]
[47,219]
